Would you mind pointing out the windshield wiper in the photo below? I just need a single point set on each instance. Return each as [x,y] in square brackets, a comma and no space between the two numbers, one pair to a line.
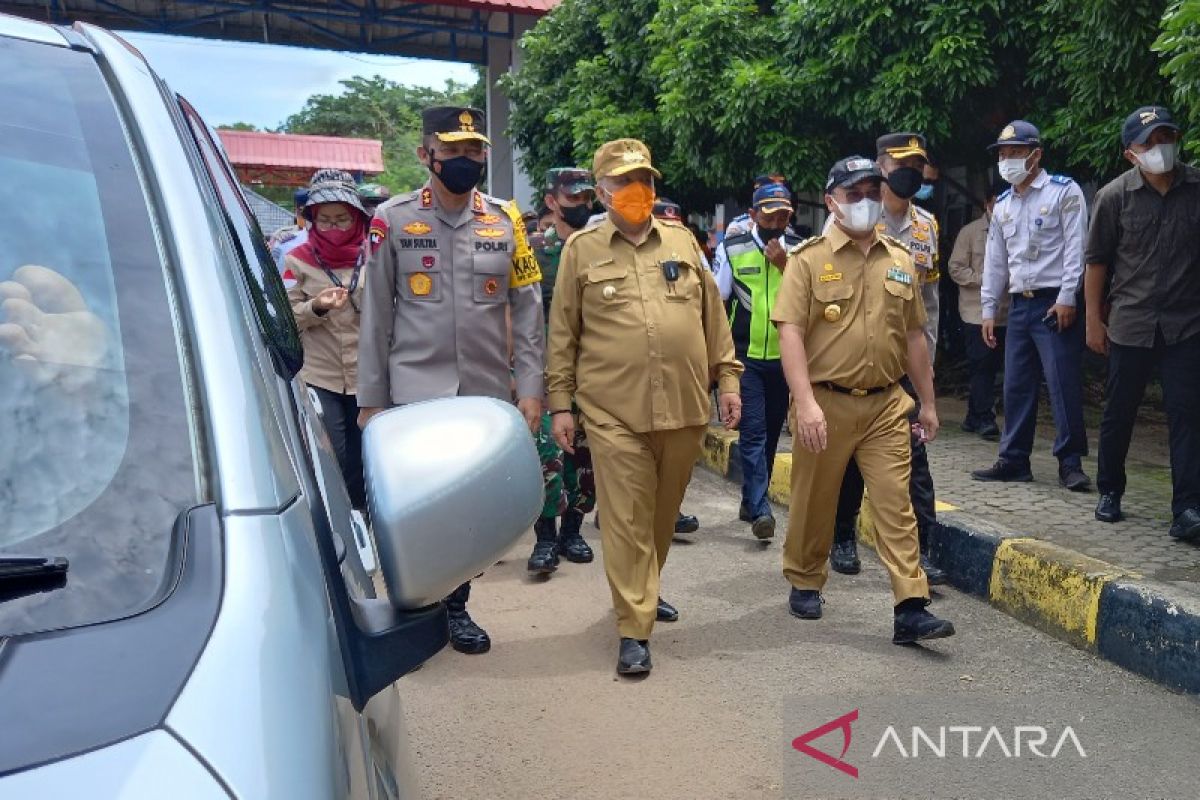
[23,575]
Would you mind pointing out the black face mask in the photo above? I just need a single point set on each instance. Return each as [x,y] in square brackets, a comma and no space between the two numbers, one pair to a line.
[905,181]
[576,216]
[459,175]
[767,234]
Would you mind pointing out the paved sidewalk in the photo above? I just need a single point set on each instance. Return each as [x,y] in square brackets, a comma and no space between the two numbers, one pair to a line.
[1127,592]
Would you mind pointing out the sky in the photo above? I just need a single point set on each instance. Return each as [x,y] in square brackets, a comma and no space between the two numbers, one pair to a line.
[213,75]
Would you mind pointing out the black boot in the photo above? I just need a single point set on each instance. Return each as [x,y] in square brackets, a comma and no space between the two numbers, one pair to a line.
[843,557]
[935,574]
[633,657]
[913,623]
[465,635]
[545,550]
[570,540]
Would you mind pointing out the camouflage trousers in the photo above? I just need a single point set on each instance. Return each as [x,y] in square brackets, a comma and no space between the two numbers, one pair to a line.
[568,481]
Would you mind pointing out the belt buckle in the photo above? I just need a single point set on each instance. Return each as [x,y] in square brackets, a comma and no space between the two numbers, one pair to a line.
[1027,294]
[858,392]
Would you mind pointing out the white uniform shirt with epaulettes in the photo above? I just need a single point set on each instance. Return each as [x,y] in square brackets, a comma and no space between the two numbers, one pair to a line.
[1035,241]
[434,309]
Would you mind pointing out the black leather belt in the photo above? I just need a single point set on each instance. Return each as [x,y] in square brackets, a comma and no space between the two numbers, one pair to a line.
[1029,294]
[856,392]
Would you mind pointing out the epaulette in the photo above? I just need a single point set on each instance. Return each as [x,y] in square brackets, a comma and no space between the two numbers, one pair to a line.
[1004,194]
[1060,179]
[892,241]
[796,248]
[675,224]
[498,201]
[924,214]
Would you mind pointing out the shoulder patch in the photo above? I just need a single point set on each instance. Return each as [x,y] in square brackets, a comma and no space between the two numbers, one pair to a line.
[809,242]
[1061,179]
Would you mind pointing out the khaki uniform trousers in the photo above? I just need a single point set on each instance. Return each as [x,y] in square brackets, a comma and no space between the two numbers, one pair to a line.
[640,482]
[875,430]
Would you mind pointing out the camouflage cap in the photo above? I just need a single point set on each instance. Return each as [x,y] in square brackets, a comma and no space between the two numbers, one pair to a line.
[333,186]
[569,180]
[374,192]
[622,156]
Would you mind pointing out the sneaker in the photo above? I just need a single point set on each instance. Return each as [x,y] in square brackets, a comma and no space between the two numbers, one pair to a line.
[763,528]
[1108,509]
[1186,527]
[989,431]
[1072,479]
[914,624]
[843,558]
[1006,471]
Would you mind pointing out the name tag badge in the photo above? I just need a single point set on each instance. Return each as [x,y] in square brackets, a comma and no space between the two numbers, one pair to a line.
[833,276]
[749,271]
[899,276]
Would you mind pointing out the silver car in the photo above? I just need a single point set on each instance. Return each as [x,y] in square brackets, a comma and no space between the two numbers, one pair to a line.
[188,606]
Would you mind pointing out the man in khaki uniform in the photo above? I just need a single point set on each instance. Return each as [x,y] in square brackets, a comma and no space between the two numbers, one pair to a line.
[637,337]
[851,324]
[447,262]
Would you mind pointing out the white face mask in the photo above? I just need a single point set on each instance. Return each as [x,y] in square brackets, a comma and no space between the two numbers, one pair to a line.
[1158,160]
[860,217]
[1014,170]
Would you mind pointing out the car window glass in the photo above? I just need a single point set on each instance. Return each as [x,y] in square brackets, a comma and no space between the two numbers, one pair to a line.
[96,456]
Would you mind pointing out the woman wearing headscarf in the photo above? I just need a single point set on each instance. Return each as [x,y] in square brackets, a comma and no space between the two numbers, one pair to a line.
[325,282]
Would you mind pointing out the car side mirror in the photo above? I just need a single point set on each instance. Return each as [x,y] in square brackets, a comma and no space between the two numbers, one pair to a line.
[451,485]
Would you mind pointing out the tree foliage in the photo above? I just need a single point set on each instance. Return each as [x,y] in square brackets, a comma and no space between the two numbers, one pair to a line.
[376,108]
[722,90]
[1179,42]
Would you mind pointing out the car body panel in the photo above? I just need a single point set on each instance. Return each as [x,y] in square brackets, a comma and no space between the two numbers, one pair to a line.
[154,764]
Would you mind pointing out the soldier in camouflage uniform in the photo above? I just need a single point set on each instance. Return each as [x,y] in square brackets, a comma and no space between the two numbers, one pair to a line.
[570,484]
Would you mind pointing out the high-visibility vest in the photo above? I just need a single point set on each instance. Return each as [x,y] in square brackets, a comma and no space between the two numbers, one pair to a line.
[755,285]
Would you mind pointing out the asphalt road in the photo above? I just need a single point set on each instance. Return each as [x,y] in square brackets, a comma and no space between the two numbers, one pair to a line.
[543,715]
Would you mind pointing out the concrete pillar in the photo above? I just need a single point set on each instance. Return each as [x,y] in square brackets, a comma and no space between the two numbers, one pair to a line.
[524,184]
[506,179]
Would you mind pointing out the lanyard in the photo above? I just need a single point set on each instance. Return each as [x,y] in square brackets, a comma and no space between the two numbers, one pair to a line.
[336,281]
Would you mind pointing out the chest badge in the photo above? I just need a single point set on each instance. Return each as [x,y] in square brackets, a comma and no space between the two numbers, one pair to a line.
[489,233]
[427,262]
[833,312]
[899,276]
[491,286]
[417,228]
[420,284]
[609,292]
[488,219]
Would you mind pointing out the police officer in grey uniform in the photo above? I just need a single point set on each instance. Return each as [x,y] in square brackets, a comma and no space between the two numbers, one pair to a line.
[902,157]
[1035,253]
[447,262]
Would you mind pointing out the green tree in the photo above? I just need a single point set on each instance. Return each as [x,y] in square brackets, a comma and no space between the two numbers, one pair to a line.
[1179,43]
[725,89]
[376,108]
[239,126]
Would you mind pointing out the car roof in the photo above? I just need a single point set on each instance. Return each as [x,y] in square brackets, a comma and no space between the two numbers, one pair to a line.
[20,28]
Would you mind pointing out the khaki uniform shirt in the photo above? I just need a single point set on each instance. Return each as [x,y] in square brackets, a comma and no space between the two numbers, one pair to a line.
[853,310]
[966,269]
[330,340]
[631,348]
[433,312]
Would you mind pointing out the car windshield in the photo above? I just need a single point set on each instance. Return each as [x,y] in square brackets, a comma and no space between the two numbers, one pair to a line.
[96,458]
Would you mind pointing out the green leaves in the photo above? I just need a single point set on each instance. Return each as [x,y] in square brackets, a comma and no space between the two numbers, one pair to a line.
[722,92]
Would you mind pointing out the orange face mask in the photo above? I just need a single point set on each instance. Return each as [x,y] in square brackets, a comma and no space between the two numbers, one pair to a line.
[634,202]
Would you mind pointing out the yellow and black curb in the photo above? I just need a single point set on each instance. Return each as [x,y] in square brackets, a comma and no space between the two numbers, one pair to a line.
[1094,605]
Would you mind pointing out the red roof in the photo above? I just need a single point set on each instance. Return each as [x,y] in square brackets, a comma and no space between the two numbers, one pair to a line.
[276,150]
[531,7]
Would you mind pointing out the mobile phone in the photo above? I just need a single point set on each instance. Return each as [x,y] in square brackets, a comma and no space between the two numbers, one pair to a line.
[1051,321]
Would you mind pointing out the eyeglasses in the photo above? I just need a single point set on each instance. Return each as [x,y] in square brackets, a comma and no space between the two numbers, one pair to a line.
[857,195]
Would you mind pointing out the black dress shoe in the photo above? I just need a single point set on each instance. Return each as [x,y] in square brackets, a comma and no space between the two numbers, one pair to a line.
[843,558]
[686,523]
[633,657]
[805,603]
[989,431]
[666,612]
[763,528]
[1073,480]
[544,559]
[570,541]
[744,513]
[466,636]
[914,624]
[934,574]
[1109,508]
[1186,527]
[1005,471]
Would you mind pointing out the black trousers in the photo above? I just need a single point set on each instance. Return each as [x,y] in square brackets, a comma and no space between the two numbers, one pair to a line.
[920,487]
[1129,370]
[985,363]
[339,412]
